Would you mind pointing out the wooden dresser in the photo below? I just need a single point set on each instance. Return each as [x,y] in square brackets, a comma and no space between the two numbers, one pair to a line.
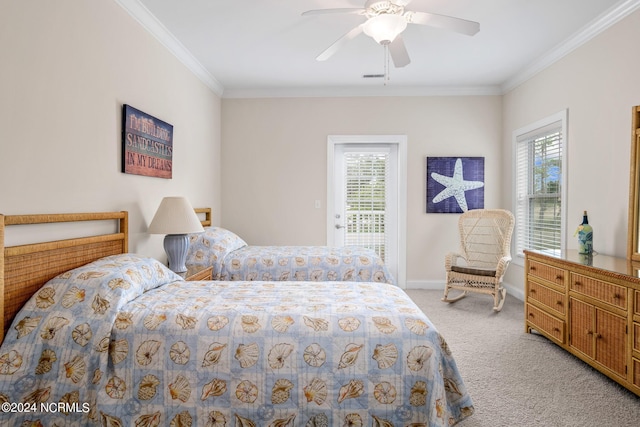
[589,306]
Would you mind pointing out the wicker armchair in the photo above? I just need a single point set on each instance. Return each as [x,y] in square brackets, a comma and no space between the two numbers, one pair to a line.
[485,241]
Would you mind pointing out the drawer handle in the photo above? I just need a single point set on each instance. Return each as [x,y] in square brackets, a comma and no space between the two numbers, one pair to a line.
[559,303]
[556,329]
[588,332]
[559,276]
[598,336]
[532,268]
[531,315]
[616,296]
[576,283]
[532,291]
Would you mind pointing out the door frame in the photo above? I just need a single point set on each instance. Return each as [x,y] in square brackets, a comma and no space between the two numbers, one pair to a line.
[401,142]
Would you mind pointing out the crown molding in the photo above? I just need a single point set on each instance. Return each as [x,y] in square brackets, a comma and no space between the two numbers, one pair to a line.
[369,91]
[600,24]
[148,21]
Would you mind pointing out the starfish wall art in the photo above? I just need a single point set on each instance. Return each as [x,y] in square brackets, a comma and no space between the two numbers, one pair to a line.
[455,184]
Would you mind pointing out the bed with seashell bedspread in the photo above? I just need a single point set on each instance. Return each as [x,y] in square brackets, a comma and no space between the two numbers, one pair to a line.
[110,338]
[233,259]
[124,341]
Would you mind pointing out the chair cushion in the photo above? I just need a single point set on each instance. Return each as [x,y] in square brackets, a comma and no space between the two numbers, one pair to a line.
[474,271]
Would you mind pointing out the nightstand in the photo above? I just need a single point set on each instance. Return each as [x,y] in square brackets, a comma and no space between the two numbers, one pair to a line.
[198,272]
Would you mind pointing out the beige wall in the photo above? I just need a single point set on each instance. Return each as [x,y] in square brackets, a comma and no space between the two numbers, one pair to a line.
[598,84]
[275,164]
[67,68]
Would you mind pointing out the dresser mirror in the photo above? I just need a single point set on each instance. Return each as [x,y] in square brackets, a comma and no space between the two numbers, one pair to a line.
[633,245]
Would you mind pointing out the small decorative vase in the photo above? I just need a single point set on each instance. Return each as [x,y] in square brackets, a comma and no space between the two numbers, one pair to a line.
[585,236]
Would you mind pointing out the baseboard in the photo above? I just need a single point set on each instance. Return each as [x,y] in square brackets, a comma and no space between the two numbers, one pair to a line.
[515,292]
[432,285]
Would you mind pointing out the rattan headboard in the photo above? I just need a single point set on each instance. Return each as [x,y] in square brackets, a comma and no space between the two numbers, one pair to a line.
[25,268]
[207,216]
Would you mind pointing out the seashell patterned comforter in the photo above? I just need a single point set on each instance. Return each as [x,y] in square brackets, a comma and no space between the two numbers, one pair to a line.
[233,259]
[124,341]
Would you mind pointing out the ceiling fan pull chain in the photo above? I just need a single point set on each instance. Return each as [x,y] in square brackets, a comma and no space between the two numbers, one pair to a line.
[386,63]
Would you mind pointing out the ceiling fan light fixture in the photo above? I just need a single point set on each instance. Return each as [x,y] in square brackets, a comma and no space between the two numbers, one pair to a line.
[384,28]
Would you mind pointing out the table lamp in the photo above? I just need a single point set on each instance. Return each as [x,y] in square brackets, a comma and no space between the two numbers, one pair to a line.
[176,218]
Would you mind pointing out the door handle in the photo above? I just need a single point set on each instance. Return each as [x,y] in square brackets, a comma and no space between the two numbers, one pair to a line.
[338,226]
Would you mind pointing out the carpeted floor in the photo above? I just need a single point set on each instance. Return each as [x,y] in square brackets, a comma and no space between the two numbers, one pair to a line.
[523,380]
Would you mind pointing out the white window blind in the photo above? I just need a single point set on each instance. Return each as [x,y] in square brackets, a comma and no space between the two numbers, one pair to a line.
[366,200]
[539,175]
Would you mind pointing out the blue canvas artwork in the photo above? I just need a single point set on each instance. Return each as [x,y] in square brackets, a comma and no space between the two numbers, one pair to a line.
[455,184]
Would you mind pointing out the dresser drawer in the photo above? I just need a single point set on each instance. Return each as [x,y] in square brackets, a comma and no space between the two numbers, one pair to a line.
[544,322]
[636,372]
[636,337]
[603,291]
[547,272]
[548,297]
[636,303]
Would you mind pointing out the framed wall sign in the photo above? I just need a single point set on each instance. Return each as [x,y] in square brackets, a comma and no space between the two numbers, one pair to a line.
[455,184]
[147,144]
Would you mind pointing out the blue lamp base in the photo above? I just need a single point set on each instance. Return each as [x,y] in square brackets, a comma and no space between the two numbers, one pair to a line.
[176,247]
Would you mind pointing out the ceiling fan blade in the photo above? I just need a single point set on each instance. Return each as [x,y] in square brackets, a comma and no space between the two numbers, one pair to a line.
[339,43]
[443,21]
[349,10]
[398,52]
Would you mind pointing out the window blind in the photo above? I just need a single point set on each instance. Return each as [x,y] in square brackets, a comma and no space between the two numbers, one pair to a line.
[366,200]
[539,189]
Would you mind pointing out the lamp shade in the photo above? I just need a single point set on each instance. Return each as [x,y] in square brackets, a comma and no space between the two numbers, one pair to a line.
[175,215]
[385,28]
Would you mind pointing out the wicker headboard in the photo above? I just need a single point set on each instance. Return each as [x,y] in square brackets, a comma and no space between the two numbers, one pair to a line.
[207,216]
[25,268]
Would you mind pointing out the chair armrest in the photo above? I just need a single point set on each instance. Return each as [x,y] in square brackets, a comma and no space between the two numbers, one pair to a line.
[451,258]
[503,263]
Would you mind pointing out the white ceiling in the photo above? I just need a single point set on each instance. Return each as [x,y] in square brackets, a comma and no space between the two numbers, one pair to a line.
[246,48]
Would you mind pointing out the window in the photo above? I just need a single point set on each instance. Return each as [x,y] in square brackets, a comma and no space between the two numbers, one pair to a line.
[540,193]
[366,199]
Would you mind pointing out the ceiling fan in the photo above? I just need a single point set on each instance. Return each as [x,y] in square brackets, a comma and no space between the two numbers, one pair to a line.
[386,20]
